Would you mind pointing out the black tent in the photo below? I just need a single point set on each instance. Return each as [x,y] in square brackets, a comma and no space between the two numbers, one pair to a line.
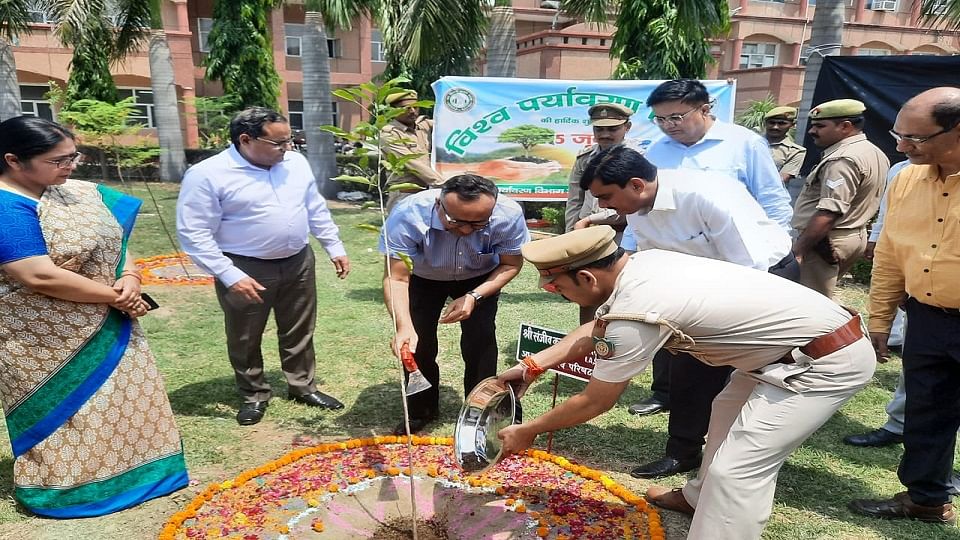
[883,84]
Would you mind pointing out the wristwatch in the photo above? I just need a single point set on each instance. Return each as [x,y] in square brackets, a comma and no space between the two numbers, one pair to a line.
[476,296]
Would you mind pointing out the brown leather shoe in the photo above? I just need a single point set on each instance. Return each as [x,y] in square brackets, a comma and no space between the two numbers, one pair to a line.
[669,498]
[901,507]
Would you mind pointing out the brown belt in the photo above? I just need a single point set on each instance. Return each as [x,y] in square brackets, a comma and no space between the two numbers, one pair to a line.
[848,334]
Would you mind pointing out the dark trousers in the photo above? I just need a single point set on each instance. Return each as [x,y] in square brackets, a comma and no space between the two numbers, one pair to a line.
[291,294]
[478,338]
[931,374]
[694,384]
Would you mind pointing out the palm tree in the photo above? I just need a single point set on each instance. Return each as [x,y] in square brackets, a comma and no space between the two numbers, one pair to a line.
[99,32]
[14,21]
[826,37]
[940,13]
[429,38]
[502,41]
[658,39]
[173,161]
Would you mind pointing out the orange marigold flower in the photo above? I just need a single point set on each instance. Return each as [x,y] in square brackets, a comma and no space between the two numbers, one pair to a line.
[542,532]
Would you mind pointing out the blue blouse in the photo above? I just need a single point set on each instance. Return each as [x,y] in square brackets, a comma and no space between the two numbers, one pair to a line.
[20,233]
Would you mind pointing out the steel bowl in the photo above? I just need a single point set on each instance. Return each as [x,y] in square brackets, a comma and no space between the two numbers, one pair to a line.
[489,408]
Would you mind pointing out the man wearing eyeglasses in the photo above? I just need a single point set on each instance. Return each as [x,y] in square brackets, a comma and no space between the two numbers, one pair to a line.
[917,262]
[409,134]
[695,139]
[840,196]
[244,216]
[464,243]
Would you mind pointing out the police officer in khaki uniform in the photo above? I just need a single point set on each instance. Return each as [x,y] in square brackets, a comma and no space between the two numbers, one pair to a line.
[798,357]
[408,134]
[841,194]
[787,154]
[610,122]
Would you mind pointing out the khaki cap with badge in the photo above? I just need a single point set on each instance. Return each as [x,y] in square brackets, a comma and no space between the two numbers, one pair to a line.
[838,108]
[566,252]
[609,114]
[782,112]
[397,99]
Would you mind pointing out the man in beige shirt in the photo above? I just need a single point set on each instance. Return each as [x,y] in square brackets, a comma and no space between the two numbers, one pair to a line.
[787,155]
[409,134]
[842,193]
[798,357]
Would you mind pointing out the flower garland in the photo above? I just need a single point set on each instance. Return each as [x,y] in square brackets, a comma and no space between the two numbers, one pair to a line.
[169,270]
[552,496]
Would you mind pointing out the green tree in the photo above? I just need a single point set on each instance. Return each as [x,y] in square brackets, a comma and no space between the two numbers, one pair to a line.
[99,32]
[14,21]
[213,115]
[527,136]
[241,55]
[752,116]
[658,39]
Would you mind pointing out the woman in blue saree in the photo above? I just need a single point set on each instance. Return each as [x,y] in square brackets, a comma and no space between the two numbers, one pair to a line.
[86,409]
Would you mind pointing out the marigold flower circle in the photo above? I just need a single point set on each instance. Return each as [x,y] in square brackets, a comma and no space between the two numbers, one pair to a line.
[314,492]
[171,269]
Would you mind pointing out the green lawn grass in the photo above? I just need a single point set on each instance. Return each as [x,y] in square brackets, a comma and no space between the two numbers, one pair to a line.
[354,363]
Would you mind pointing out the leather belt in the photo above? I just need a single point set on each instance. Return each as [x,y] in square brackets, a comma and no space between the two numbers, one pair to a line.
[848,334]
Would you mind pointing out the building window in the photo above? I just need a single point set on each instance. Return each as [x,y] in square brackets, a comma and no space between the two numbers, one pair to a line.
[378,53]
[873,52]
[33,102]
[293,38]
[755,55]
[203,33]
[295,113]
[143,109]
[333,48]
[883,5]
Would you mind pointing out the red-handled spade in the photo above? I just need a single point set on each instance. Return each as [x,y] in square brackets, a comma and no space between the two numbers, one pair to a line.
[416,382]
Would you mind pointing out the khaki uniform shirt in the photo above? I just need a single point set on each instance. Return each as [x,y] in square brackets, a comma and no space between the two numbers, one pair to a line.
[399,140]
[788,156]
[848,181]
[732,315]
[919,248]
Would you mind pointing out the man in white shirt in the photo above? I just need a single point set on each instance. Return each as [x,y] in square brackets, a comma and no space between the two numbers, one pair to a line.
[244,216]
[697,213]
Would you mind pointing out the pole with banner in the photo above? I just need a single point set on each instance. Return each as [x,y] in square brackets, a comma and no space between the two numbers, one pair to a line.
[525,134]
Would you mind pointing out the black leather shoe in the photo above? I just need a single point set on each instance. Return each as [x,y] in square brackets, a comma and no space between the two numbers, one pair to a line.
[665,466]
[901,507]
[251,412]
[651,405]
[417,424]
[877,437]
[318,399]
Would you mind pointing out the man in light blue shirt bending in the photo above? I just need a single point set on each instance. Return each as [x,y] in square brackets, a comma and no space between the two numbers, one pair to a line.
[464,242]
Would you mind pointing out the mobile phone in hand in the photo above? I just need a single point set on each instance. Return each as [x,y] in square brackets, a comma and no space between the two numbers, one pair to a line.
[150,302]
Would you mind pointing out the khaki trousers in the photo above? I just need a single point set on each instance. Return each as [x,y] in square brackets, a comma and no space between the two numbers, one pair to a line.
[292,297]
[820,274]
[756,422]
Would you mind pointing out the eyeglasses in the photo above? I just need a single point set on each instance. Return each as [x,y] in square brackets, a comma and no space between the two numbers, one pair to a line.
[673,119]
[66,161]
[475,225]
[277,144]
[917,140]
